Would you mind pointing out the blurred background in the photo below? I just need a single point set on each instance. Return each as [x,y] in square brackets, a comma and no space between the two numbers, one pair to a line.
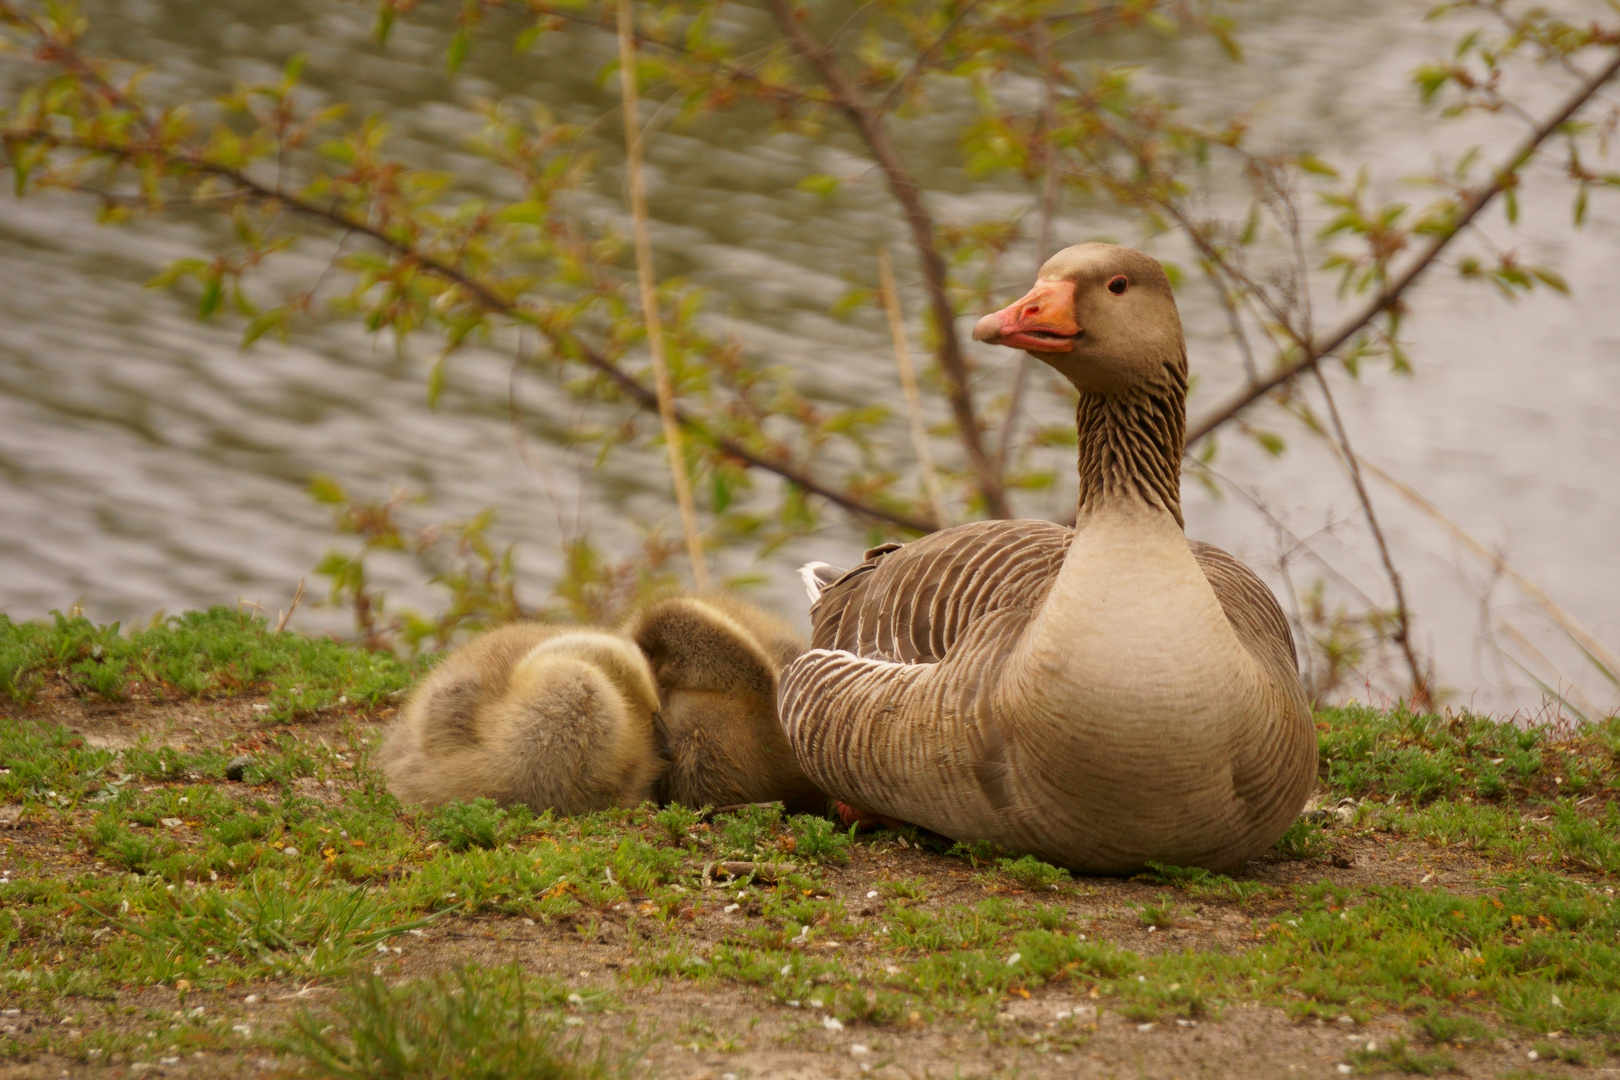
[148,463]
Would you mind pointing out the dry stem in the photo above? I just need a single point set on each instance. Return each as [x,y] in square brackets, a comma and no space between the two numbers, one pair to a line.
[665,386]
[1421,695]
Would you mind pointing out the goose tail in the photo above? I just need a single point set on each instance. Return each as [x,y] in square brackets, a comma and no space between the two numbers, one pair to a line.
[817,576]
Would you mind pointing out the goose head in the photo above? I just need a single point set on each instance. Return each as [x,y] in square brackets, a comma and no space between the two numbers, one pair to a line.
[1102,316]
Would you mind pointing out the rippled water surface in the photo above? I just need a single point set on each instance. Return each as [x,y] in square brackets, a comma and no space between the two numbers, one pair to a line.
[147,463]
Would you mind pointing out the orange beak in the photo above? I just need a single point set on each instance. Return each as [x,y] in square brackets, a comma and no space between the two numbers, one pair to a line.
[1040,321]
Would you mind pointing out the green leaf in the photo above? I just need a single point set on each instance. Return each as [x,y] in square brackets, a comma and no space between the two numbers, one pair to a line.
[1580,205]
[1550,278]
[324,489]
[523,213]
[819,184]
[456,55]
[435,383]
[213,295]
[262,323]
[1511,198]
[720,491]
[1271,442]
[1313,164]
[385,24]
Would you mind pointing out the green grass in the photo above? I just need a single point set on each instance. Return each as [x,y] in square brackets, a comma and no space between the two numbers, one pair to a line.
[160,872]
[215,653]
[469,1024]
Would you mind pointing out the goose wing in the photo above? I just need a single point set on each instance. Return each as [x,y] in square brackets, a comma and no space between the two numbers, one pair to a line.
[910,603]
[1252,609]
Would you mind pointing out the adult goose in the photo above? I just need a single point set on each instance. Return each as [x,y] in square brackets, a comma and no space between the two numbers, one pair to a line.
[1100,697]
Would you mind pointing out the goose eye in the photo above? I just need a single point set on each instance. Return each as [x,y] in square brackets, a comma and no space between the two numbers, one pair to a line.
[1117,285]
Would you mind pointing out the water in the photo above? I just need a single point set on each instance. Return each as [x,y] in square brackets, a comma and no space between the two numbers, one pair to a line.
[147,464]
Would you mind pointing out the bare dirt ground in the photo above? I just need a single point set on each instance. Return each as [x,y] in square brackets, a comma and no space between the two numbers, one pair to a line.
[724,1032]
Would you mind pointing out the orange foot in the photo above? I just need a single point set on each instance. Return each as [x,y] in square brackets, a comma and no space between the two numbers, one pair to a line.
[863,820]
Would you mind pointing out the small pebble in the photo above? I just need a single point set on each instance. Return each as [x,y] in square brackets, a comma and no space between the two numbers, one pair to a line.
[237,767]
[832,1023]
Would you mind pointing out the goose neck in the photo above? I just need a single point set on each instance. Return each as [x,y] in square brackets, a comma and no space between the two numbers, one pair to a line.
[1130,448]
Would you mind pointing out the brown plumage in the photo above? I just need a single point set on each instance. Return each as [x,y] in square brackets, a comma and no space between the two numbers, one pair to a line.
[716,661]
[679,705]
[1100,697]
[553,717]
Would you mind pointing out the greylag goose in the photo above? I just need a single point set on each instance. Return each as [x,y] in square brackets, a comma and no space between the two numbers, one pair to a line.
[716,661]
[677,706]
[552,717]
[1100,697]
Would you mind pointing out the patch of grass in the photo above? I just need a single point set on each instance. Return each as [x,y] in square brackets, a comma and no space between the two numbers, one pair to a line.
[677,821]
[751,830]
[215,653]
[1162,914]
[1450,1029]
[1304,840]
[1419,757]
[480,823]
[471,1024]
[908,888]
[977,852]
[1397,1055]
[1031,873]
[818,839]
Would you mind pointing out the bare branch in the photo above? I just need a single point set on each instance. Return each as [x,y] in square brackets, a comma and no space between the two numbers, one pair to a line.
[1478,199]
[903,186]
[1421,694]
[490,297]
[664,386]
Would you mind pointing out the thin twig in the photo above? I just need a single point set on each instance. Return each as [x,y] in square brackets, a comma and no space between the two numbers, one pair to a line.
[1565,621]
[1421,695]
[1479,198]
[906,191]
[908,384]
[925,57]
[281,623]
[665,386]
